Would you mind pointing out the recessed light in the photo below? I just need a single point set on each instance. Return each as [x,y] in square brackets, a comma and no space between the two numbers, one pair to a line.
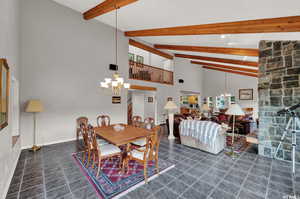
[223,36]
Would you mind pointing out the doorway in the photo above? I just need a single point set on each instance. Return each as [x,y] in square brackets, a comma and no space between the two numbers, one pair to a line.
[141,102]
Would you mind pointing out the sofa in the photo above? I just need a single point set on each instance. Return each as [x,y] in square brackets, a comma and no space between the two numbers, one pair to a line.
[192,140]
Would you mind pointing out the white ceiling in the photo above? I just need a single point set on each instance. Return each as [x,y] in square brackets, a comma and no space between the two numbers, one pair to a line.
[145,14]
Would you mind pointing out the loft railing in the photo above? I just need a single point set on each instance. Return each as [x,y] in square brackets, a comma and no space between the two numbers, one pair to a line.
[149,73]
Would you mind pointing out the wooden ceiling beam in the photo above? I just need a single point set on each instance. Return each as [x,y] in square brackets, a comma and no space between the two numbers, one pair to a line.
[268,25]
[231,71]
[105,7]
[225,66]
[150,49]
[222,60]
[205,49]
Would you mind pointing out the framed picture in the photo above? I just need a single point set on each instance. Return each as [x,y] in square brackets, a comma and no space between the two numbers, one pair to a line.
[169,99]
[140,59]
[150,99]
[116,100]
[4,93]
[246,94]
[130,56]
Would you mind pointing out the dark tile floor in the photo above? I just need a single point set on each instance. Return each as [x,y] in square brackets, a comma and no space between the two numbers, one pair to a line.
[51,173]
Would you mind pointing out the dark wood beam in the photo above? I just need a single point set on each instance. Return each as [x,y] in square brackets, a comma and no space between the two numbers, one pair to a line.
[222,60]
[225,66]
[149,49]
[205,49]
[105,7]
[231,71]
[268,25]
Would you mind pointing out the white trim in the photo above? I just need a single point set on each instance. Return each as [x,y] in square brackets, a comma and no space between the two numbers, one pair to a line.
[50,143]
[12,171]
[142,183]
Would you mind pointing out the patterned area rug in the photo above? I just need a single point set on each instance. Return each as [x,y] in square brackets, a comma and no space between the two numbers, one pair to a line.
[111,182]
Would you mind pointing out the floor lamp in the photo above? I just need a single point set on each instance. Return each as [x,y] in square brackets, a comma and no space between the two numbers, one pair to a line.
[171,106]
[34,106]
[234,110]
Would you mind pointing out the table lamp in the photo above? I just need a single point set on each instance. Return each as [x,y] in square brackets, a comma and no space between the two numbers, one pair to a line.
[171,106]
[34,106]
[234,109]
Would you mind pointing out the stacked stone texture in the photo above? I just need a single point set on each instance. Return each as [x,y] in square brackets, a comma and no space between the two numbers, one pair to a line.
[278,87]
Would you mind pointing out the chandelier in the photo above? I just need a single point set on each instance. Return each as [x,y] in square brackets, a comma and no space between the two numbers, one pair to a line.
[116,83]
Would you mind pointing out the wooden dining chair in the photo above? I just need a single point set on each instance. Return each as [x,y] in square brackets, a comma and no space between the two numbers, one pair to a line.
[101,152]
[79,121]
[136,121]
[149,152]
[149,123]
[87,150]
[103,120]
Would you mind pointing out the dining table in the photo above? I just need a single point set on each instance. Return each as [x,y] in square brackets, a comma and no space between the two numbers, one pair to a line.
[122,137]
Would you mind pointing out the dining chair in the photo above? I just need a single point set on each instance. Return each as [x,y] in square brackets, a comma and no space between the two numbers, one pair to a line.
[136,121]
[103,120]
[87,150]
[147,153]
[79,121]
[149,123]
[101,152]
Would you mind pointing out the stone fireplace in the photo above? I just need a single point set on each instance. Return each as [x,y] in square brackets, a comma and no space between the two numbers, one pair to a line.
[278,87]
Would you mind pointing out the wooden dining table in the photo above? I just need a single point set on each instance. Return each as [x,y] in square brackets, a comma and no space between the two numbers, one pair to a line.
[123,137]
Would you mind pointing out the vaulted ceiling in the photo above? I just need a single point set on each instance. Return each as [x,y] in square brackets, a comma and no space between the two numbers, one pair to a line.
[146,14]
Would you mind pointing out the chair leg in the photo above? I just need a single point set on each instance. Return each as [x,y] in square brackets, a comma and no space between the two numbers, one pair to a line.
[99,166]
[89,157]
[83,156]
[94,160]
[145,172]
[156,165]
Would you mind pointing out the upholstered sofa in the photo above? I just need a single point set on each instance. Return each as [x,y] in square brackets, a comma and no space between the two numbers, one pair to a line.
[215,147]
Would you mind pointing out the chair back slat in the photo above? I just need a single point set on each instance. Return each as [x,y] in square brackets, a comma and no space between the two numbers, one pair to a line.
[82,120]
[136,121]
[149,123]
[103,120]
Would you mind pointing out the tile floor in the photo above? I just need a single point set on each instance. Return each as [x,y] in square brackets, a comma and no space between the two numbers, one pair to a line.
[51,173]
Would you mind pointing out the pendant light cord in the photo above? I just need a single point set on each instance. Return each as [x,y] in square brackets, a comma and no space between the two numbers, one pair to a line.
[116,31]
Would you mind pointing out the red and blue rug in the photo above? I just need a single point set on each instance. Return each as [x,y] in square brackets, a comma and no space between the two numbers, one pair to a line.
[111,182]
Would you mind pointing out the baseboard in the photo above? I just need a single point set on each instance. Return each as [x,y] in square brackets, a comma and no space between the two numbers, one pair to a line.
[11,174]
[50,143]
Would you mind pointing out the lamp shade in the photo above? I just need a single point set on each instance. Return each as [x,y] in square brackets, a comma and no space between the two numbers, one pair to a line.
[205,107]
[234,109]
[34,106]
[170,105]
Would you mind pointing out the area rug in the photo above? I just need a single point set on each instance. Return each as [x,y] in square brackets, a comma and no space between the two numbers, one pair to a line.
[240,144]
[111,183]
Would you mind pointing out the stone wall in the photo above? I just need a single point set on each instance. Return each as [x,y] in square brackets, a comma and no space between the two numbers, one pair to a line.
[278,87]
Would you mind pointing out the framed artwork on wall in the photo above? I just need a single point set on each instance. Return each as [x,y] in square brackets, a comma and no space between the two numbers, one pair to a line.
[116,100]
[4,93]
[130,56]
[169,99]
[150,99]
[246,94]
[140,59]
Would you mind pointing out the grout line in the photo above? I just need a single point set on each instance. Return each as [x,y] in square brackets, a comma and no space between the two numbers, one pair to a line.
[44,180]
[21,180]
[266,195]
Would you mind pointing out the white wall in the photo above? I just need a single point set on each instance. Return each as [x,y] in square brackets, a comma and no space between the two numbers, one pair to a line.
[152,59]
[9,47]
[149,107]
[214,85]
[138,105]
[68,57]
[64,58]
